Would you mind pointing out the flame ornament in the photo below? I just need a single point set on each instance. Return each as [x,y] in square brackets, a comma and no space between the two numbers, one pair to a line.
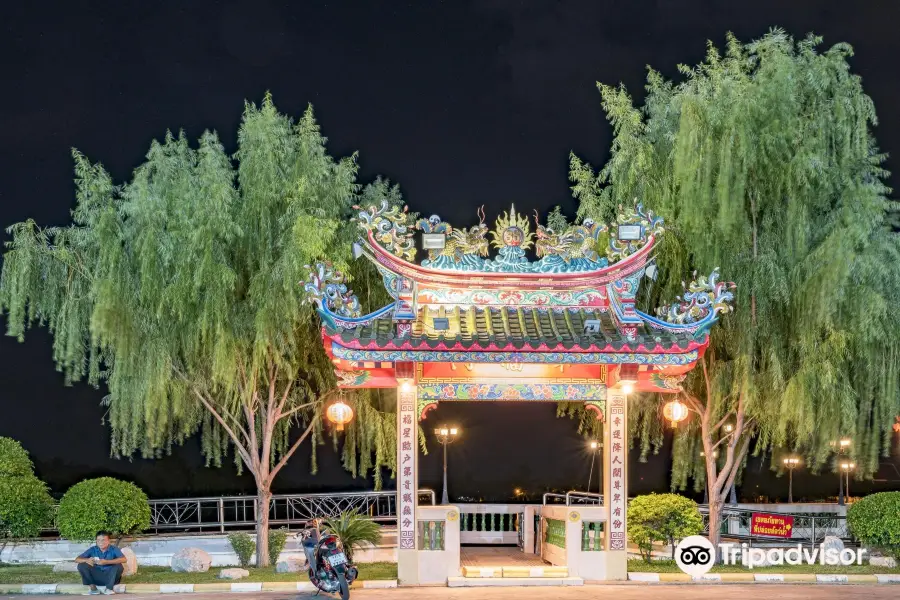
[391,228]
[703,298]
[327,290]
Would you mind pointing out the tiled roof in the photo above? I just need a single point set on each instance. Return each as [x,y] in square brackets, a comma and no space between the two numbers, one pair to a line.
[511,327]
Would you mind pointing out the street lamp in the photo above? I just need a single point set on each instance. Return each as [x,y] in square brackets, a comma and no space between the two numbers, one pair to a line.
[790,464]
[446,435]
[846,467]
[595,446]
[843,446]
[628,378]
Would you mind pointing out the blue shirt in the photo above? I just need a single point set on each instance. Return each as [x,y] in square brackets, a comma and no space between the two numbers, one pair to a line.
[111,553]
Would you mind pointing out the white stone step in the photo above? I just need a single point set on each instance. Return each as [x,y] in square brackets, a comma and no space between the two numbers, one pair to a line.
[512,581]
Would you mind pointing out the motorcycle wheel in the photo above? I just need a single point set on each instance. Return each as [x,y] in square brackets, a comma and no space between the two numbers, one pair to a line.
[343,587]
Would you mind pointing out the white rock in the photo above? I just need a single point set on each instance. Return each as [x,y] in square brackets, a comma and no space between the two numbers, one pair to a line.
[233,573]
[130,566]
[888,562]
[191,560]
[65,567]
[832,543]
[291,565]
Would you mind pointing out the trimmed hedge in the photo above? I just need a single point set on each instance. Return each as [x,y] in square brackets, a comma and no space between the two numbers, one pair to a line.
[277,540]
[25,505]
[244,546]
[875,520]
[662,518]
[14,461]
[100,504]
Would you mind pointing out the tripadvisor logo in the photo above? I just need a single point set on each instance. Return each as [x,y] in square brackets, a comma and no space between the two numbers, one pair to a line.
[695,555]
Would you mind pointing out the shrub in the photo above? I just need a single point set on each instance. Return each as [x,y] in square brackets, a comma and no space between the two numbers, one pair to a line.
[353,529]
[25,506]
[664,518]
[14,461]
[244,546]
[875,521]
[277,540]
[107,504]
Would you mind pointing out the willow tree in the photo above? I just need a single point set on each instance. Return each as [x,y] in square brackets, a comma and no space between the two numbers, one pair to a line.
[763,161]
[182,291]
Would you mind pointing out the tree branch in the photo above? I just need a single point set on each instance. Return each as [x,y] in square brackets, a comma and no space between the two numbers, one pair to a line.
[295,409]
[293,449]
[284,397]
[723,421]
[245,455]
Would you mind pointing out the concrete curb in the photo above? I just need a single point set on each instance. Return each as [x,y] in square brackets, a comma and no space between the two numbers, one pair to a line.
[186,588]
[762,578]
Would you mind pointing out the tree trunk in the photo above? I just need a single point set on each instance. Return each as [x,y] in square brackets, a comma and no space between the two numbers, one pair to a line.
[263,501]
[715,519]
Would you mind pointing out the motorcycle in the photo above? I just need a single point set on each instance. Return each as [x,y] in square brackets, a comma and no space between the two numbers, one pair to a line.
[329,569]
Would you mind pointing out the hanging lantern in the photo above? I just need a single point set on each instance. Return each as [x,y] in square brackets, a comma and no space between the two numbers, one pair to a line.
[675,411]
[340,413]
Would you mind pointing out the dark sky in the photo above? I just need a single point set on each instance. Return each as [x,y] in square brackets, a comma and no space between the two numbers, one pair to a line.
[462,103]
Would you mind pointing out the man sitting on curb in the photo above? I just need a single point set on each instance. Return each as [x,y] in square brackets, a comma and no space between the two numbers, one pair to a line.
[101,565]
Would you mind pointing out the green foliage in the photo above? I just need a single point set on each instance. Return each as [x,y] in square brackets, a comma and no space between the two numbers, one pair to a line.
[277,540]
[556,220]
[664,518]
[25,505]
[353,529]
[182,291]
[119,507]
[875,521]
[244,546]
[762,161]
[14,460]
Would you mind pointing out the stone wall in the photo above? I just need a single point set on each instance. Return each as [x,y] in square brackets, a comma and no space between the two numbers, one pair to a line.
[158,550]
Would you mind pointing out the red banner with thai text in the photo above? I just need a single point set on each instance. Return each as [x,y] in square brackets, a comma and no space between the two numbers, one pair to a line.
[775,525]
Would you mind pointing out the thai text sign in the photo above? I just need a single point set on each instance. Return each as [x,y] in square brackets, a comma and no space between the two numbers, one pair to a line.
[774,525]
[407,479]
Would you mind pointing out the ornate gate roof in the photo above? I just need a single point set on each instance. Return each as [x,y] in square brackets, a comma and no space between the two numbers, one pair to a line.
[574,304]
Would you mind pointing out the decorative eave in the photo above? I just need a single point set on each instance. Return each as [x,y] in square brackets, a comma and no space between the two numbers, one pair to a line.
[474,345]
[351,355]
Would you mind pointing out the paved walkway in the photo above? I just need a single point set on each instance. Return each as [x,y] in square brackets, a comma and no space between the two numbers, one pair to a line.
[590,592]
[497,556]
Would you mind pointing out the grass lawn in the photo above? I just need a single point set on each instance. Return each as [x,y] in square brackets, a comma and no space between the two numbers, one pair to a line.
[44,574]
[669,566]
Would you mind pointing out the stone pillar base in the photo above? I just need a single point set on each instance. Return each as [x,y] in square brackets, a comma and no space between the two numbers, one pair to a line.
[407,567]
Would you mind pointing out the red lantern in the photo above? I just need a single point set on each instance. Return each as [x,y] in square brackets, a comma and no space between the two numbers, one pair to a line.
[675,411]
[340,414]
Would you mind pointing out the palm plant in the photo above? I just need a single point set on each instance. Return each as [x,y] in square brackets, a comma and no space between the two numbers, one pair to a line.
[353,529]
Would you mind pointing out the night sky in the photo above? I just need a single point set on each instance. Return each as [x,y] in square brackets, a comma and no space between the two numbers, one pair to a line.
[461,103]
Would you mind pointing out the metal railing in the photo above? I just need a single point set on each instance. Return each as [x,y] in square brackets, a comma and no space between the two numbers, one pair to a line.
[573,497]
[808,528]
[286,510]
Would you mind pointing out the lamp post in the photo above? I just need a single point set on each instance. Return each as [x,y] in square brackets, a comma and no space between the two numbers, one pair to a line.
[843,446]
[791,463]
[446,435]
[594,450]
[846,467]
